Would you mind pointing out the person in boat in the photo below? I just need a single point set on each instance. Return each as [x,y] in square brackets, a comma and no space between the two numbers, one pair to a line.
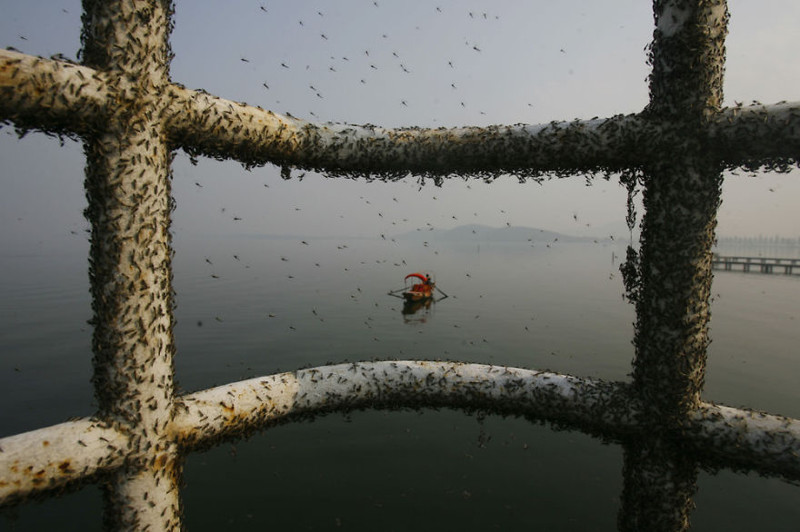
[425,287]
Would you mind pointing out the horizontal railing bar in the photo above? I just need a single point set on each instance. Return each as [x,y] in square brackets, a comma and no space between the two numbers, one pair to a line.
[212,126]
[748,438]
[752,135]
[203,124]
[63,97]
[54,456]
[55,96]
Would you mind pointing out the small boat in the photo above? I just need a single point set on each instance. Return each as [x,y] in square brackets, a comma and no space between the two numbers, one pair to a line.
[418,292]
[421,290]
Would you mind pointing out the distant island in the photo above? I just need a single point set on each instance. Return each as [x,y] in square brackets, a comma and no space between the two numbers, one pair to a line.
[485,233]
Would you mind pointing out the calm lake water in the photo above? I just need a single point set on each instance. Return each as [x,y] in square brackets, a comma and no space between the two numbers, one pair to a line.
[277,304]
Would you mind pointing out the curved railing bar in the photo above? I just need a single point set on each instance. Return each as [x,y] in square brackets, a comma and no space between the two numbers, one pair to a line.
[226,410]
[55,456]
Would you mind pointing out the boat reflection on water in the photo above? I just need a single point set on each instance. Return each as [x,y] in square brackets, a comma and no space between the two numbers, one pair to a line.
[410,308]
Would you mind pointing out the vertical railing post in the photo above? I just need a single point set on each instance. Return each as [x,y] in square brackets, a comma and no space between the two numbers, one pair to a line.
[659,486]
[681,196]
[129,207]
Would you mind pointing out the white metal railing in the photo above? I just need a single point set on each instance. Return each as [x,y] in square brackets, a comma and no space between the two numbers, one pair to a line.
[121,102]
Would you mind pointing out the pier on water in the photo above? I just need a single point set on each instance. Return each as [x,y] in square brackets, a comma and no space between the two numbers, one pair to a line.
[759,264]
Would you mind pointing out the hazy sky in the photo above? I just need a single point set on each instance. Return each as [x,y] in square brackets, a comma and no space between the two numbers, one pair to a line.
[402,63]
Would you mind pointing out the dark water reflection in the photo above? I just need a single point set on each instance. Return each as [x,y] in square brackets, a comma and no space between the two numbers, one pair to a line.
[555,308]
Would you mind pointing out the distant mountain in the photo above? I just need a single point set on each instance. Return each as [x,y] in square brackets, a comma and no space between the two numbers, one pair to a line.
[485,233]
